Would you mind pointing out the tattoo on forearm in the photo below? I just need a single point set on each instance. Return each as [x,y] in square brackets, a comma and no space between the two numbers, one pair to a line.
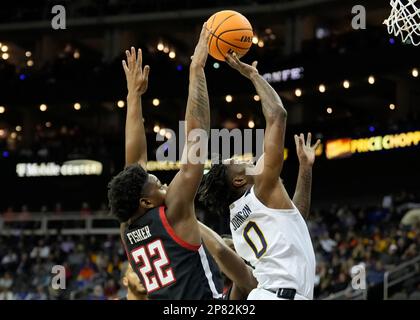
[198,101]
[302,197]
[270,100]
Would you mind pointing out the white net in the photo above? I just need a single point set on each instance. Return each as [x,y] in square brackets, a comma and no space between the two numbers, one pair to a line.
[404,20]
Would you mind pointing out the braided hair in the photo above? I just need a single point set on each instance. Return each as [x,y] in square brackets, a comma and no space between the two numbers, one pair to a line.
[215,192]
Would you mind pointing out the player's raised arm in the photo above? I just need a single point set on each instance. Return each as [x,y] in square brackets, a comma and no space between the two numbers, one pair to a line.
[182,190]
[230,263]
[275,116]
[306,156]
[137,81]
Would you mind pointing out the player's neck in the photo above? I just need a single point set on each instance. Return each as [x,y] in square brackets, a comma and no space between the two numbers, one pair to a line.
[137,215]
[238,193]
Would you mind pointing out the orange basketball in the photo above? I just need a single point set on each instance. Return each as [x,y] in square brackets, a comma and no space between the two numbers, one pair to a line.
[231,32]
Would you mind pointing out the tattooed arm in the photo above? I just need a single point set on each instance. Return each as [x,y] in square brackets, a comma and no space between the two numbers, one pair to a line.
[183,188]
[306,155]
[137,81]
[268,187]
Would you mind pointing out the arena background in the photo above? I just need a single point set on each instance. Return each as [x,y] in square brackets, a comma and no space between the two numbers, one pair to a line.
[62,96]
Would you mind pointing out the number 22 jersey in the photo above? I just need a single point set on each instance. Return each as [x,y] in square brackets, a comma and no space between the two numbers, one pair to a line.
[275,242]
[168,267]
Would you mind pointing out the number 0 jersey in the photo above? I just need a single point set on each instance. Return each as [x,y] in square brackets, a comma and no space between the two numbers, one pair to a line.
[168,267]
[275,242]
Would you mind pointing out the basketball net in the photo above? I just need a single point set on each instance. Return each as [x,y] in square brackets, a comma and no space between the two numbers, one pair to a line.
[404,20]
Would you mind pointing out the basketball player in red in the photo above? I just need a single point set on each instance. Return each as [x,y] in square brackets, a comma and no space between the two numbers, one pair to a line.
[159,227]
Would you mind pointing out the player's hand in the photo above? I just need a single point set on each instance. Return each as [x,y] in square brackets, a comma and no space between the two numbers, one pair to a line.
[201,51]
[137,77]
[245,69]
[304,150]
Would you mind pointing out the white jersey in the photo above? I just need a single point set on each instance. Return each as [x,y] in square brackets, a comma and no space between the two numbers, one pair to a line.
[276,243]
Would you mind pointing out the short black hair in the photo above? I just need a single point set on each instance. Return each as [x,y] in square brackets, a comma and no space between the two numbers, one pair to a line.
[215,192]
[124,191]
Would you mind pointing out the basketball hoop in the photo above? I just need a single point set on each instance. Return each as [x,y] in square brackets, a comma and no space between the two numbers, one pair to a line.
[404,20]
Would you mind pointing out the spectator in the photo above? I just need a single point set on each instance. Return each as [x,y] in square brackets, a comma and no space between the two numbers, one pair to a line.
[375,274]
[86,273]
[9,260]
[38,295]
[98,293]
[67,246]
[85,210]
[327,243]
[58,208]
[6,281]
[6,294]
[411,218]
[9,214]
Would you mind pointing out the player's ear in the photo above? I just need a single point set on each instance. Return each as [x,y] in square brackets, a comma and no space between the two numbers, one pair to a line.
[239,181]
[146,203]
[125,281]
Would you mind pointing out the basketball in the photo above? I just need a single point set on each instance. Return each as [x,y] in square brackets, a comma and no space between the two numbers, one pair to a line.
[230,32]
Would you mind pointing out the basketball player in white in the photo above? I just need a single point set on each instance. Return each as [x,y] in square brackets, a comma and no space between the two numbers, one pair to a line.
[268,230]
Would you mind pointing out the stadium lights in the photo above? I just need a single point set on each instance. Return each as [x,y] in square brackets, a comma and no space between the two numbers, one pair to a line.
[168,135]
[120,104]
[298,92]
[160,46]
[13,135]
[5,56]
[371,80]
[156,128]
[162,132]
[172,54]
[76,54]
[28,54]
[166,49]
[251,124]
[4,48]
[329,110]
[77,106]
[260,43]
[415,72]
[48,124]
[254,39]
[30,63]
[2,109]
[156,102]
[216,65]
[346,84]
[43,107]
[322,88]
[257,97]
[392,106]
[228,98]
[18,128]
[2,133]
[239,115]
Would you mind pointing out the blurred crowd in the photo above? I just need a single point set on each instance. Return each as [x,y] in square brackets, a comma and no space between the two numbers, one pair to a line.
[92,267]
[375,238]
[24,212]
[379,238]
